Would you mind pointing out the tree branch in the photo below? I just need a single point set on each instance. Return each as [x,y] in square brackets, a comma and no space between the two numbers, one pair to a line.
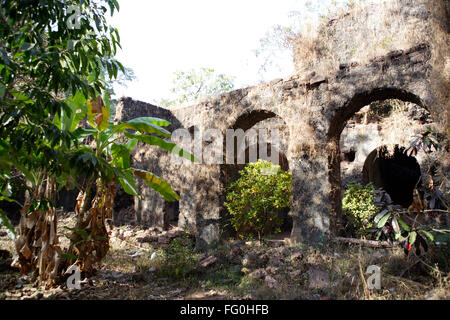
[367,243]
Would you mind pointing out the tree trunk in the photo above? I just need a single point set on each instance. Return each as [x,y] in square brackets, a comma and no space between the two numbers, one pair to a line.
[89,239]
[37,247]
[367,243]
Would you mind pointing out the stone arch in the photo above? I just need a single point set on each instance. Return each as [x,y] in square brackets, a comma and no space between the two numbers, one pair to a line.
[337,125]
[248,119]
[229,172]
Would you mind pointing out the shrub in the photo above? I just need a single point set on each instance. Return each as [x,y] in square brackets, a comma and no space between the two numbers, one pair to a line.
[253,199]
[179,259]
[358,206]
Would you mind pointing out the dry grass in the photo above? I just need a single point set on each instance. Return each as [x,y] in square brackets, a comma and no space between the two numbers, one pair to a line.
[140,277]
[364,31]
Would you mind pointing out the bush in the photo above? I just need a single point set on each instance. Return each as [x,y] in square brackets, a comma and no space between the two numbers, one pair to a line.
[253,199]
[358,206]
[179,259]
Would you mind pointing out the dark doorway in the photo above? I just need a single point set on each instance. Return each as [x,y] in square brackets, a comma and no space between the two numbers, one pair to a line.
[396,172]
[171,214]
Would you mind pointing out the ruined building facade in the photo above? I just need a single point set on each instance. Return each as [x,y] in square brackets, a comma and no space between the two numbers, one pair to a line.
[397,50]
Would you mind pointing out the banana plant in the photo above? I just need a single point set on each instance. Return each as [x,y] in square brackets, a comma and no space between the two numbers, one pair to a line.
[104,159]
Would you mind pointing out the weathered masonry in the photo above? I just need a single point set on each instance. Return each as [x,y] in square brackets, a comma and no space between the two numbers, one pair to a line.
[396,50]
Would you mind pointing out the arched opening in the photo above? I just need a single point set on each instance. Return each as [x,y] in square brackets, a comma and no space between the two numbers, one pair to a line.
[393,171]
[256,120]
[356,131]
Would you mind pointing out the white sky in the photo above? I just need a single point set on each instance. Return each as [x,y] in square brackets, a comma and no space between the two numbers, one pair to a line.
[159,37]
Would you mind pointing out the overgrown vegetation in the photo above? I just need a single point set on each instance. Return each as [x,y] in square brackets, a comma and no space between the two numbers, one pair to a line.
[253,199]
[411,226]
[179,259]
[358,206]
[421,225]
[54,75]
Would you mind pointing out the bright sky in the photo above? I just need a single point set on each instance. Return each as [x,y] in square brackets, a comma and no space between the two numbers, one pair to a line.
[159,37]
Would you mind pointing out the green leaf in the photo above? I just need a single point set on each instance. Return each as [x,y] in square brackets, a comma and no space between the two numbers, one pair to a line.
[157,184]
[68,256]
[155,121]
[82,233]
[131,144]
[120,156]
[427,234]
[77,104]
[383,220]
[82,133]
[2,90]
[412,237]
[3,198]
[105,96]
[7,224]
[404,224]
[166,145]
[29,175]
[88,157]
[143,125]
[128,184]
[380,215]
[21,97]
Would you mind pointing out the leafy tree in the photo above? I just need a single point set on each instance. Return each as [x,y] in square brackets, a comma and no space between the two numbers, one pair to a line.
[190,86]
[52,75]
[43,59]
[122,80]
[253,199]
[106,162]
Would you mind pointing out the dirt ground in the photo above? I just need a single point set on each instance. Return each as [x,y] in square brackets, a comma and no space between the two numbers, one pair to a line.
[150,264]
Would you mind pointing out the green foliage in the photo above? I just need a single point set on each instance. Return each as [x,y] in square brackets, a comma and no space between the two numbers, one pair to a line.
[253,199]
[54,74]
[179,259]
[190,86]
[110,159]
[44,60]
[122,80]
[358,206]
[7,224]
[410,226]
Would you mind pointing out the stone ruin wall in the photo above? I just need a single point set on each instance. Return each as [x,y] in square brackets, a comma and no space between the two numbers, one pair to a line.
[365,132]
[314,106]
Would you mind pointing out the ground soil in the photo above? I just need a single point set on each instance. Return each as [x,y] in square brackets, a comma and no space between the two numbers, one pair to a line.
[150,264]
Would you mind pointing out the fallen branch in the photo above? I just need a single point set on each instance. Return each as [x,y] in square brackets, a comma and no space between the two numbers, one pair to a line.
[368,243]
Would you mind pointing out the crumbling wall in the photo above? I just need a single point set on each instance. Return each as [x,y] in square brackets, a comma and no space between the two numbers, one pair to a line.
[314,105]
[358,35]
[366,131]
